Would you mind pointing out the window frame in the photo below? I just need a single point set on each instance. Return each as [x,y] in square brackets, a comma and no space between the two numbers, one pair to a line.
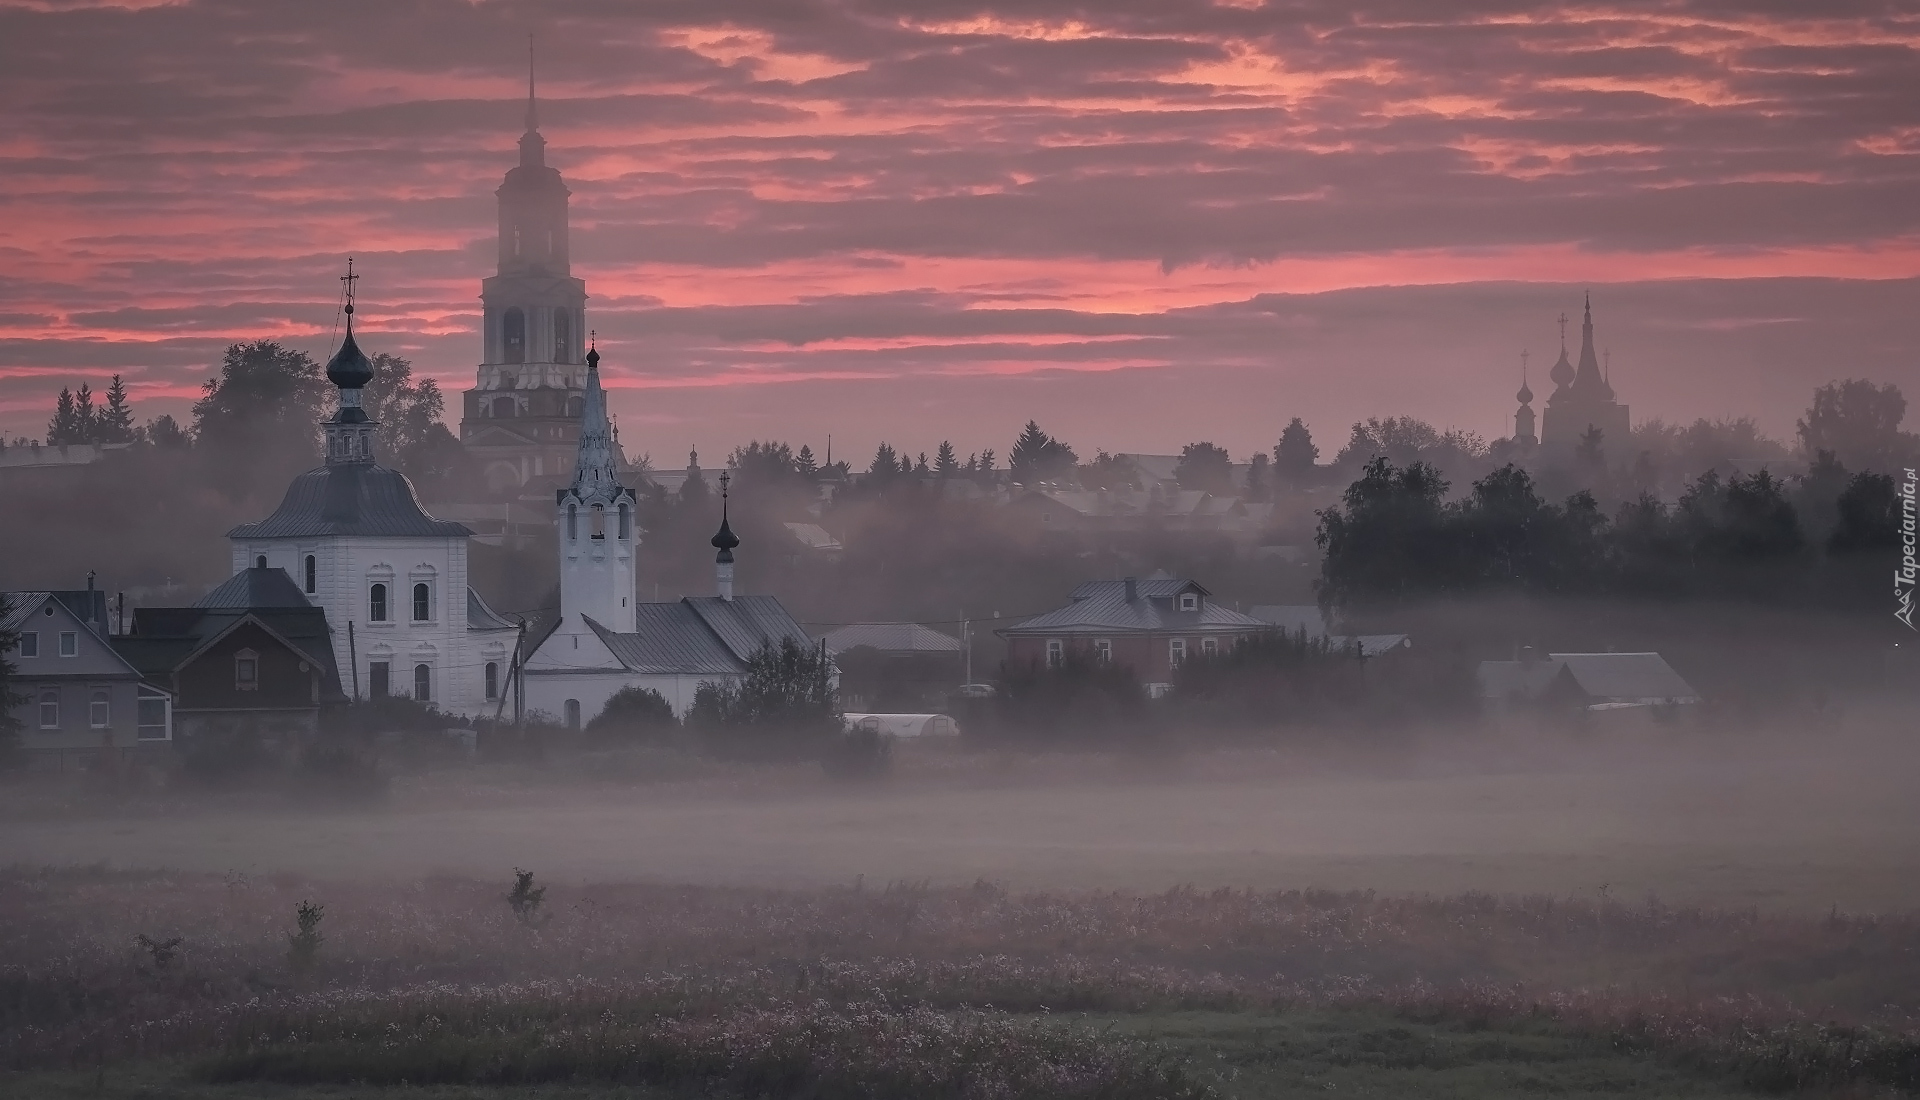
[626,522]
[69,643]
[1103,648]
[377,602]
[420,603]
[379,679]
[1176,652]
[312,577]
[1189,601]
[1056,652]
[246,670]
[1209,647]
[50,698]
[140,727]
[573,523]
[99,709]
[422,682]
[29,645]
[490,678]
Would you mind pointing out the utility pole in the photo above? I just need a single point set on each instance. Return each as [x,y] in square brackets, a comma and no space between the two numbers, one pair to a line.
[353,661]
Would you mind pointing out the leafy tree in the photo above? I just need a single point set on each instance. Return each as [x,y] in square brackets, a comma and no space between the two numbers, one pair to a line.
[1869,516]
[1817,493]
[1108,472]
[1406,440]
[1205,467]
[1295,454]
[165,432]
[1258,488]
[1388,537]
[764,465]
[634,712]
[1038,457]
[10,726]
[787,694]
[944,461]
[115,424]
[1079,696]
[259,417]
[1743,519]
[1860,423]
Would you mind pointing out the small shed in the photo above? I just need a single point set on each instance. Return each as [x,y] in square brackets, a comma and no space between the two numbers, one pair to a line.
[905,726]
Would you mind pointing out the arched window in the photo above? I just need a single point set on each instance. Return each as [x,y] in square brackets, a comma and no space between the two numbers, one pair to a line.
[313,574]
[504,407]
[516,242]
[572,708]
[513,335]
[422,684]
[260,562]
[573,523]
[422,602]
[599,521]
[493,679]
[626,523]
[562,335]
[246,671]
[377,604]
[100,709]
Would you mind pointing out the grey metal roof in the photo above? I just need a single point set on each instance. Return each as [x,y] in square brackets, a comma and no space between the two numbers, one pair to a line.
[700,635]
[1628,677]
[746,623]
[1102,607]
[165,638]
[482,617]
[1160,585]
[350,499]
[21,605]
[891,638]
[256,587]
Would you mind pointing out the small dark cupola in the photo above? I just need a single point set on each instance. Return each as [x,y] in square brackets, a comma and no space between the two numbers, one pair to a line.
[349,432]
[724,540]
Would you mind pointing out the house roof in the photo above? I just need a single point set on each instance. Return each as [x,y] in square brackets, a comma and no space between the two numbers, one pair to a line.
[256,587]
[349,499]
[891,638]
[813,536]
[700,635]
[1608,677]
[1100,607]
[482,617]
[166,638]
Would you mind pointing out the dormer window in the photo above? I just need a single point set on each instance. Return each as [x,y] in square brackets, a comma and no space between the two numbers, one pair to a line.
[1189,601]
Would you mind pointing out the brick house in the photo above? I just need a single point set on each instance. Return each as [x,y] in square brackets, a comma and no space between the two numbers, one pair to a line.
[1150,624]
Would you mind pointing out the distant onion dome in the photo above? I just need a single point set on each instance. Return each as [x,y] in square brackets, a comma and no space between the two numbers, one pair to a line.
[1525,396]
[349,368]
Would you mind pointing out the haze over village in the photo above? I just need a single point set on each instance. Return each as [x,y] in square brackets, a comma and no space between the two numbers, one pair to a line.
[1180,550]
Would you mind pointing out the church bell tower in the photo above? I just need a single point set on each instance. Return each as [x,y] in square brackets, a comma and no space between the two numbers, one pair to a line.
[522,417]
[597,525]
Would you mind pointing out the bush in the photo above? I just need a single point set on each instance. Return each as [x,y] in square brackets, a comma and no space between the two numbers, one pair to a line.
[859,754]
[635,712]
[1082,696]
[785,706]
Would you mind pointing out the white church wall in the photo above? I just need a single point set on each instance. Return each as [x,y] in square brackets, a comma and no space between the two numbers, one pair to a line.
[549,690]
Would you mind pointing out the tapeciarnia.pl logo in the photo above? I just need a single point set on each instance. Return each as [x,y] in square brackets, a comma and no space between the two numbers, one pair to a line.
[1903,577]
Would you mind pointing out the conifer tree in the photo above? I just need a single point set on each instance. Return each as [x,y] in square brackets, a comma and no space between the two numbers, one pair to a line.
[62,429]
[805,464]
[944,462]
[116,419]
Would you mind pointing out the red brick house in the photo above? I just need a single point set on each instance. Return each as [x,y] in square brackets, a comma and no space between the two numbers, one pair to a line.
[1150,624]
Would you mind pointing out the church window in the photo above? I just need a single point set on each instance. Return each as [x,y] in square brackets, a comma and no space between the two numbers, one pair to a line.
[516,242]
[260,562]
[572,709]
[503,407]
[573,523]
[377,604]
[246,671]
[100,709]
[422,684]
[422,602]
[599,521]
[493,679]
[69,643]
[50,709]
[513,335]
[626,522]
[377,679]
[313,574]
[562,335]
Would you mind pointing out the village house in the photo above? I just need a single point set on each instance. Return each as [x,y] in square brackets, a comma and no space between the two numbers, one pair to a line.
[1583,681]
[80,700]
[1150,624]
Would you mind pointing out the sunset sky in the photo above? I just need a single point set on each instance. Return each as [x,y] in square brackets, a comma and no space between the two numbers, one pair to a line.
[1142,222]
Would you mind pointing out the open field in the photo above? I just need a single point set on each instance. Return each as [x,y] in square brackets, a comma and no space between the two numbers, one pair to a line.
[1723,821]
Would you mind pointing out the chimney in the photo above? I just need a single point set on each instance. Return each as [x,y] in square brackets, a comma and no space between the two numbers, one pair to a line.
[1528,655]
[1133,590]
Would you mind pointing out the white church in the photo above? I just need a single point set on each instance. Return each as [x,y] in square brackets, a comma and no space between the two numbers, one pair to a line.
[393,579]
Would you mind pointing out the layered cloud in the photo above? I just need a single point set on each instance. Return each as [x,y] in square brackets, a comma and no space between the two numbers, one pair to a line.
[1145,222]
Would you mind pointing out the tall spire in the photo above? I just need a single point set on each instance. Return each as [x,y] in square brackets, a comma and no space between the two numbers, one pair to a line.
[533,147]
[593,469]
[533,113]
[1587,376]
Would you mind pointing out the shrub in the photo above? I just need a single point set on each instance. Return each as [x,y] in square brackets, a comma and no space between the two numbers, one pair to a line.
[525,899]
[784,706]
[859,753]
[1081,696]
[303,946]
[635,712]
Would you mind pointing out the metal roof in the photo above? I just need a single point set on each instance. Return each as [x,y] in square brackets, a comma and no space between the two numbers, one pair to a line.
[891,638]
[165,638]
[350,499]
[256,587]
[700,635]
[1628,677]
[482,617]
[1100,607]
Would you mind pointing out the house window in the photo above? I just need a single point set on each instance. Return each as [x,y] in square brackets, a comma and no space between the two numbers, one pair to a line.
[626,523]
[1056,652]
[1209,646]
[151,714]
[50,709]
[313,574]
[69,643]
[30,644]
[423,683]
[599,521]
[377,603]
[1176,652]
[573,523]
[572,709]
[513,331]
[246,671]
[100,709]
[422,602]
[1189,602]
[493,679]
[378,680]
[1103,647]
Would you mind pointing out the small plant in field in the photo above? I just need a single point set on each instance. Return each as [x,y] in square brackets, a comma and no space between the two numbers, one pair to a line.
[525,899]
[303,946]
[163,952]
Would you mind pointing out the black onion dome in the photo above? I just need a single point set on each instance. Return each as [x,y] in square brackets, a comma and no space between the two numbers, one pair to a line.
[725,539]
[349,368]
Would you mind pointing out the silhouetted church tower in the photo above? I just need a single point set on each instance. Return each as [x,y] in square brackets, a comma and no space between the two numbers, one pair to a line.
[522,418]
[1583,400]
